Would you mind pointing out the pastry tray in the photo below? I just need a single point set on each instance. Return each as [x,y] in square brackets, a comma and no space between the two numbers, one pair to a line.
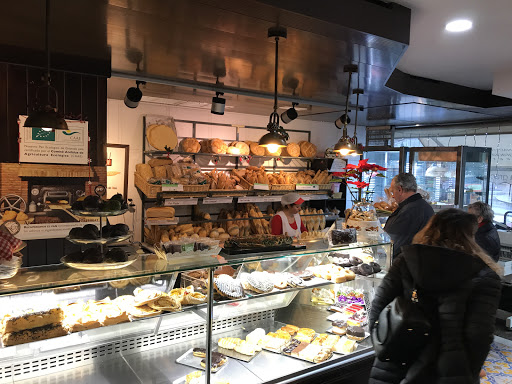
[309,361]
[105,240]
[235,355]
[100,266]
[190,360]
[277,248]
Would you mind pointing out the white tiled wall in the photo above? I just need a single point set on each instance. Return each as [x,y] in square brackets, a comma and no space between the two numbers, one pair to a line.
[124,126]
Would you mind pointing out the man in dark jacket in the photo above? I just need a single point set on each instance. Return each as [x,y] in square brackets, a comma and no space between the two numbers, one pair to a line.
[412,213]
[486,236]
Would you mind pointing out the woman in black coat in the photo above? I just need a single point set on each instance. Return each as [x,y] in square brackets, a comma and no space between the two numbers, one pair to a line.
[458,288]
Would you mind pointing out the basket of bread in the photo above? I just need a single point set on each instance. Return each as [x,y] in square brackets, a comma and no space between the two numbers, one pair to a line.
[224,182]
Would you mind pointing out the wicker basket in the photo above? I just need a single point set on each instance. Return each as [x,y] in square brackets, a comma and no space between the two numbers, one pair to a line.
[324,187]
[246,185]
[282,187]
[150,190]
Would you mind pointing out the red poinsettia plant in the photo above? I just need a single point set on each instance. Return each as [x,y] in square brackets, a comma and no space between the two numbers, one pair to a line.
[354,175]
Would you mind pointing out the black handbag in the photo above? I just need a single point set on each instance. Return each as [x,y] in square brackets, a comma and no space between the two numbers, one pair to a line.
[402,331]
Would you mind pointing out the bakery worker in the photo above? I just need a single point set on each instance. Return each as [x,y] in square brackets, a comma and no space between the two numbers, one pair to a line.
[412,214]
[486,235]
[288,220]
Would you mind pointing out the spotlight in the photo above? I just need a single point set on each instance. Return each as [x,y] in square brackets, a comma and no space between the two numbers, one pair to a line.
[133,95]
[342,120]
[290,114]
[218,104]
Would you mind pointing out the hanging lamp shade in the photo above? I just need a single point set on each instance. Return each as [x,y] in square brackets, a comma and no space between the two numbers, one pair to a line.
[45,118]
[344,147]
[272,139]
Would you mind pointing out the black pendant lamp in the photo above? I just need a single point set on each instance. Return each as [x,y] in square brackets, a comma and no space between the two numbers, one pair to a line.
[345,146]
[358,151]
[277,136]
[46,116]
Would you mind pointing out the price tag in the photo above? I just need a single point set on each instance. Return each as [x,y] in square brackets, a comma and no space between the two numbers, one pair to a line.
[218,200]
[175,202]
[172,187]
[261,187]
[272,199]
[172,221]
[338,165]
[306,187]
[318,197]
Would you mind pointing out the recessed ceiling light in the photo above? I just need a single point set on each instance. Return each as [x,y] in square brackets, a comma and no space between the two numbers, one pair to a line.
[460,25]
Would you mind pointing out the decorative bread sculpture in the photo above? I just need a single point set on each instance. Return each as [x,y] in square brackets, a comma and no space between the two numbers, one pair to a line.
[161,136]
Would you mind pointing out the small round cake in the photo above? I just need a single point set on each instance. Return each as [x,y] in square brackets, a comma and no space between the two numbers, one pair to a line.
[339,327]
[355,333]
[365,269]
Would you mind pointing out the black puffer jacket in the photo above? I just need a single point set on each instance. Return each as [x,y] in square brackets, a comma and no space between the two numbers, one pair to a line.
[460,294]
[408,219]
[487,237]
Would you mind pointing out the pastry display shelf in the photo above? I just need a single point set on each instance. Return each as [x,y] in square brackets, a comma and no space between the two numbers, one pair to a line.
[46,277]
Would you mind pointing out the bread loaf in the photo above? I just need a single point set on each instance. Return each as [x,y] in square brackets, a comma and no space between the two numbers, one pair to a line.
[239,148]
[256,149]
[160,161]
[205,146]
[307,149]
[33,320]
[145,171]
[292,149]
[189,144]
[157,212]
[162,137]
[160,172]
[218,146]
[34,334]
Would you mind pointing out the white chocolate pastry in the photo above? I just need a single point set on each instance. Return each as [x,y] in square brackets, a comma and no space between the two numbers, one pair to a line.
[229,342]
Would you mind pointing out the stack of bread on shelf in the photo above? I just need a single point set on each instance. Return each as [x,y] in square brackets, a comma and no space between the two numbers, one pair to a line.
[223,180]
[312,177]
[184,172]
[231,224]
[314,221]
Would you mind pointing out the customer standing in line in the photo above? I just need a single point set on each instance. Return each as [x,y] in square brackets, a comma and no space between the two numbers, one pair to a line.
[487,235]
[412,214]
[458,288]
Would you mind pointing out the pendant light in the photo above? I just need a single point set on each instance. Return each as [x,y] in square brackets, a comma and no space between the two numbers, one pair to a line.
[345,146]
[277,136]
[358,151]
[46,116]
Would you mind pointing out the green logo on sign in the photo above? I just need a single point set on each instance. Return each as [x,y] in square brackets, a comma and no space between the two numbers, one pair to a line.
[41,134]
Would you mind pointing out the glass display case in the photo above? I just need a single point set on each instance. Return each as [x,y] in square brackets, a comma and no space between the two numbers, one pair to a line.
[142,323]
[452,176]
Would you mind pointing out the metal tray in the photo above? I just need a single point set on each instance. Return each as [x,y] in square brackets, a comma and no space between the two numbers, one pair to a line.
[309,361]
[98,213]
[235,355]
[190,360]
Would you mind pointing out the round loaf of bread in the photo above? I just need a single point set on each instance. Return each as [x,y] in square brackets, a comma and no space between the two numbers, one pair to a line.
[307,149]
[239,148]
[256,149]
[218,146]
[189,144]
[205,146]
[161,136]
[292,149]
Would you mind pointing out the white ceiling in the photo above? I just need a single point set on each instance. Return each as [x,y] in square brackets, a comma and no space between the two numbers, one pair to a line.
[470,58]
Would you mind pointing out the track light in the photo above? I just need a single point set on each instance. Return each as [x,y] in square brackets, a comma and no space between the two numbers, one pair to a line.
[345,145]
[218,104]
[133,95]
[290,114]
[277,136]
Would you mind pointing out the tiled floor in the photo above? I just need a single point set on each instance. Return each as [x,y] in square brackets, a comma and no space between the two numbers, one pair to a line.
[498,365]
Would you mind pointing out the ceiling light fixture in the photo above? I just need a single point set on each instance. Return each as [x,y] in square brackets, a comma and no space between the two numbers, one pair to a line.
[218,103]
[358,150]
[290,114]
[46,117]
[133,95]
[277,136]
[460,25]
[345,146]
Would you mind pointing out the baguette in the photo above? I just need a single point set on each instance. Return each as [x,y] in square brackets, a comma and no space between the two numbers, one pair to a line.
[160,212]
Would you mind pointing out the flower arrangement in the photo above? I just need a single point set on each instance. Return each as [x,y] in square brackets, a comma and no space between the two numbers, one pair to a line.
[354,176]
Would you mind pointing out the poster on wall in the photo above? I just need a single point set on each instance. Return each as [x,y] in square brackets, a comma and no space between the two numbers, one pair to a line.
[54,147]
